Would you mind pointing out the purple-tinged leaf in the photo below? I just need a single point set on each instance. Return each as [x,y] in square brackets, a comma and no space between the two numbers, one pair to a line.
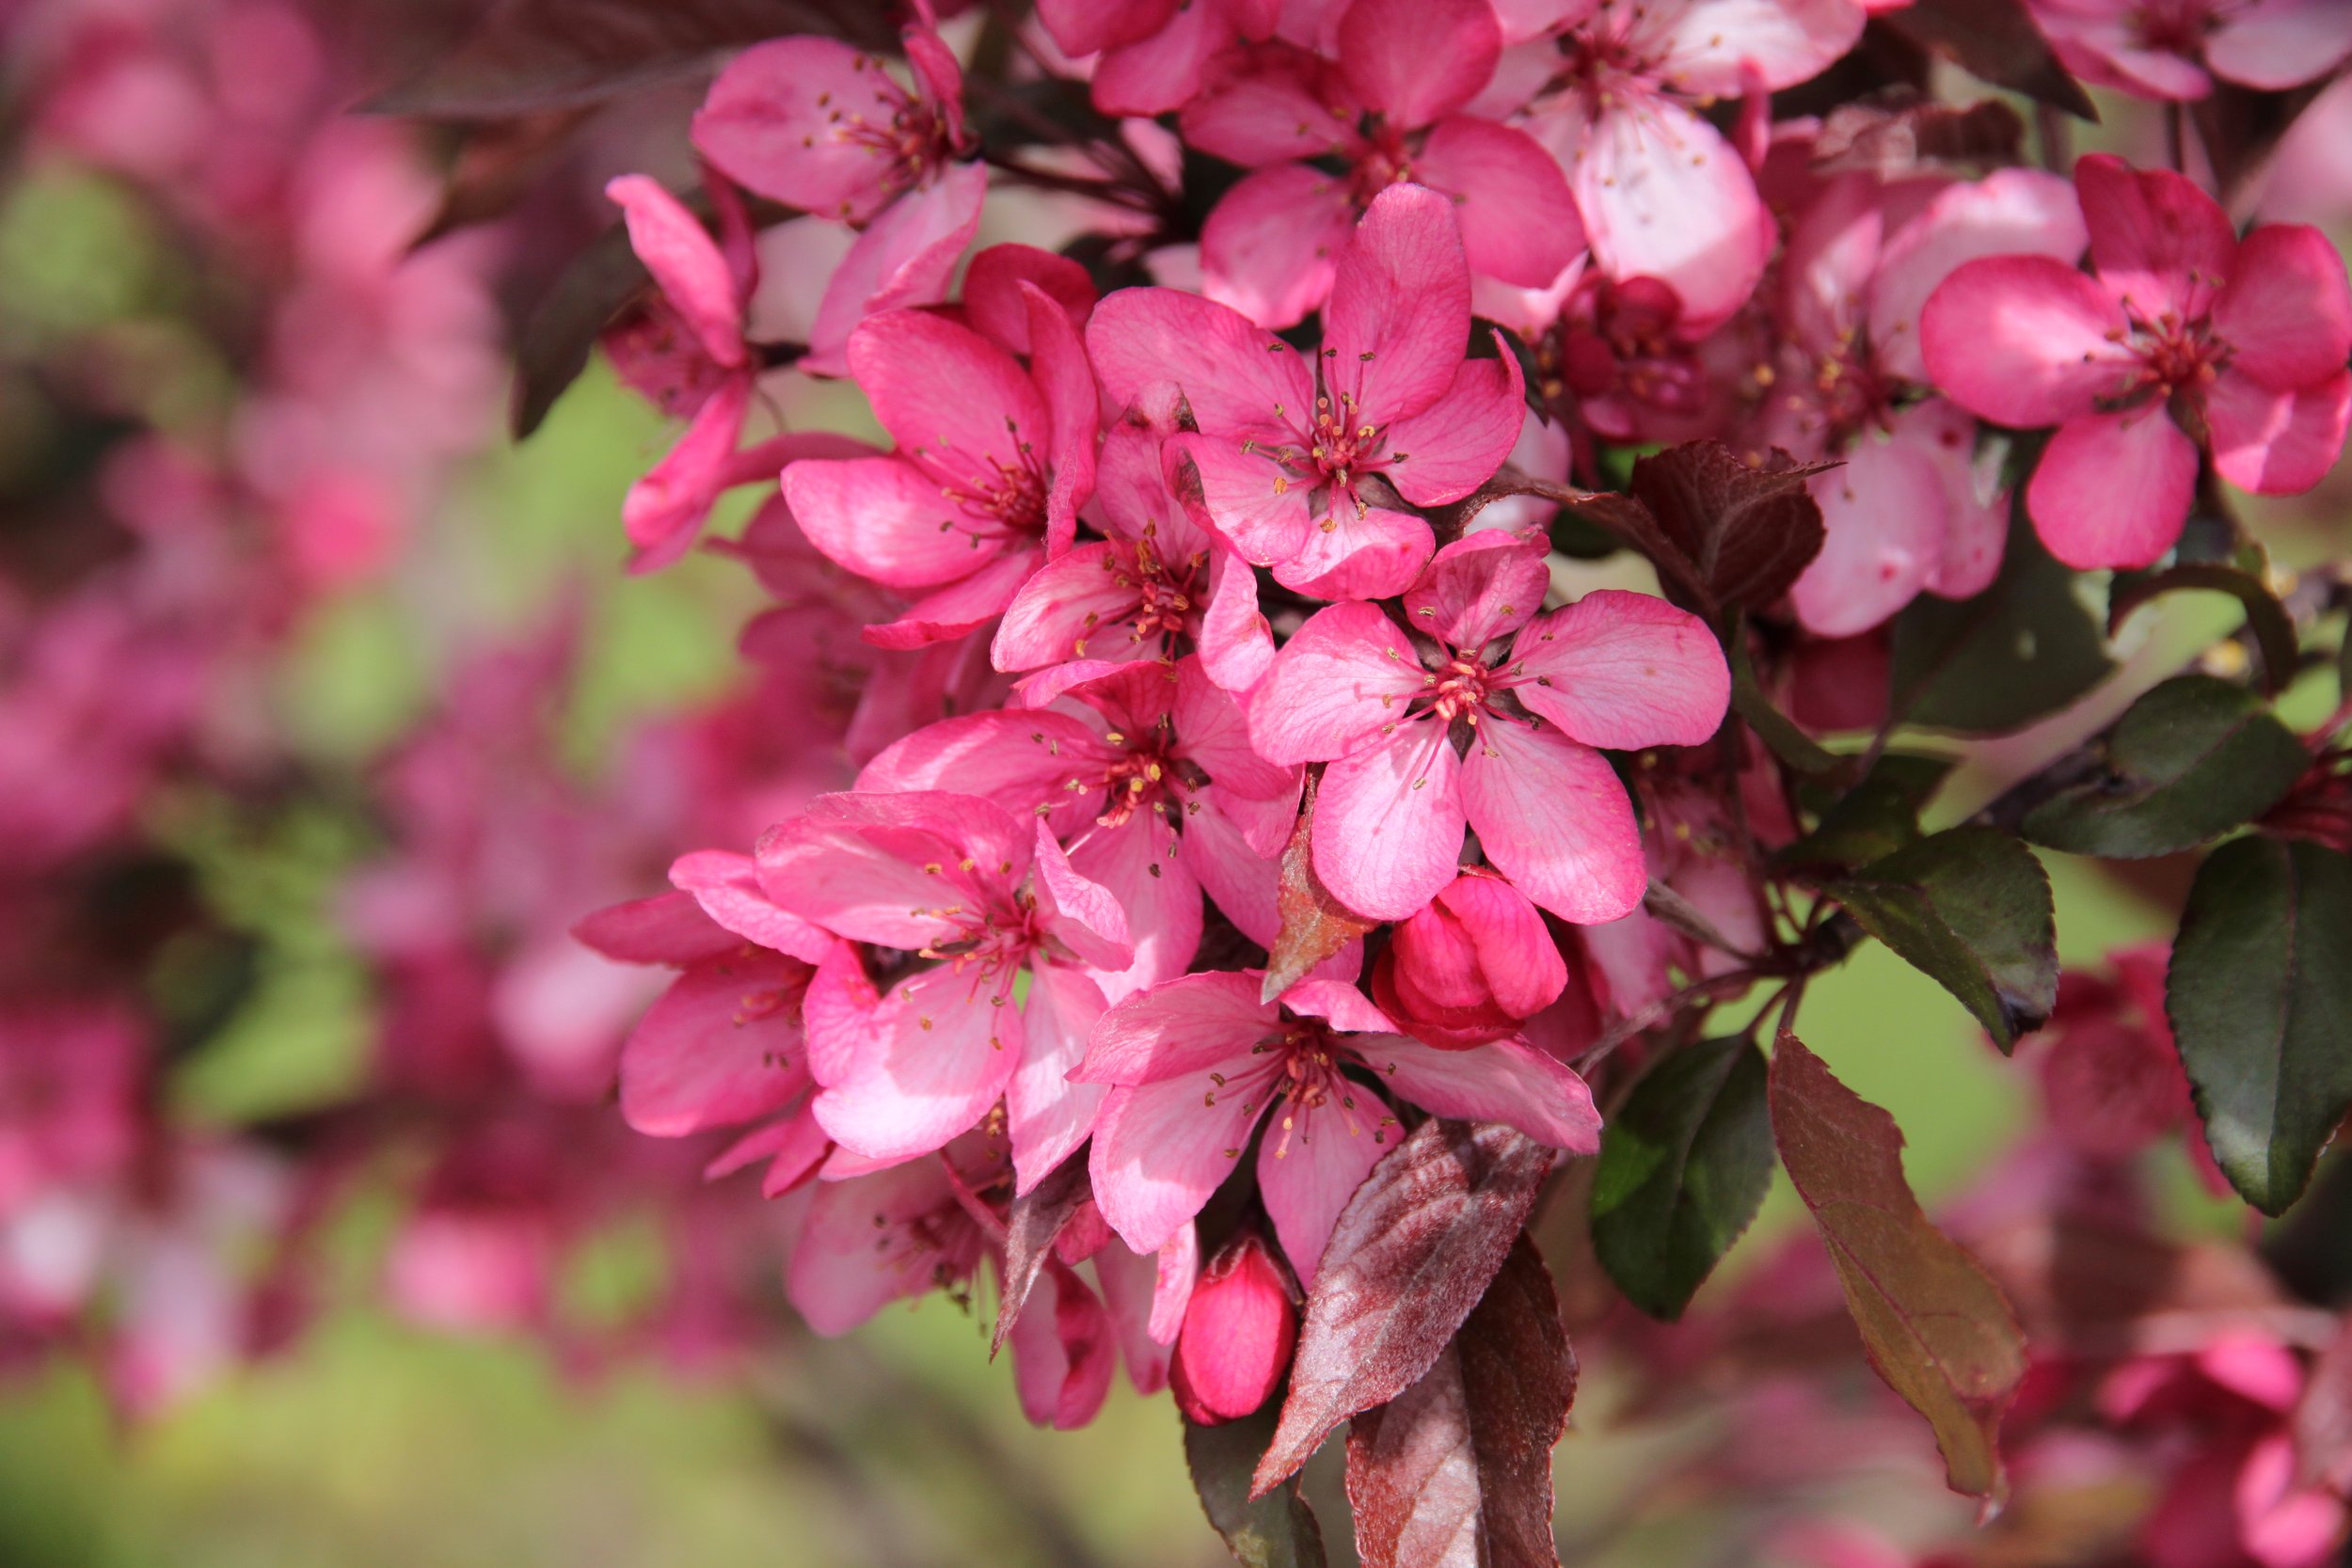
[1412,1253]
[1749,532]
[1315,925]
[1996,42]
[1035,1219]
[1455,1472]
[1933,1323]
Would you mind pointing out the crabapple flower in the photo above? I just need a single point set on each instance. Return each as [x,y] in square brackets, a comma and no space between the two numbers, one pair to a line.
[2173,49]
[1388,109]
[1472,966]
[2182,337]
[1619,670]
[953,880]
[1199,1063]
[1663,194]
[1238,1332]
[994,460]
[1293,465]
[1156,55]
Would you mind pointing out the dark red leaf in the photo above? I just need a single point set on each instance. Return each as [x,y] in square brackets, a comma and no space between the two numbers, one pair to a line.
[1413,1251]
[558,335]
[1032,1223]
[1996,42]
[1457,1470]
[1933,1323]
[495,164]
[1278,1531]
[1890,141]
[1621,516]
[522,56]
[1315,925]
[1749,532]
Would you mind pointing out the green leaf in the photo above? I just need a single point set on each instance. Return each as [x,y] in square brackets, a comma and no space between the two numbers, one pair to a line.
[2260,995]
[1970,907]
[2266,617]
[1777,731]
[2189,761]
[2022,649]
[1933,1323]
[1872,820]
[1683,1166]
[1278,1530]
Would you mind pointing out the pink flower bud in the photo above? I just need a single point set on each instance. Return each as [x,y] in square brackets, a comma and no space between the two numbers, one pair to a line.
[1235,1344]
[1471,966]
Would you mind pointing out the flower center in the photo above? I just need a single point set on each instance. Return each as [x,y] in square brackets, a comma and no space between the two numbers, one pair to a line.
[913,141]
[2175,356]
[1461,688]
[999,500]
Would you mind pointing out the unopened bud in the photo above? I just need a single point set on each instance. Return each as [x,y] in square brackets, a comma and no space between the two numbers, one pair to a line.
[1471,966]
[1239,1328]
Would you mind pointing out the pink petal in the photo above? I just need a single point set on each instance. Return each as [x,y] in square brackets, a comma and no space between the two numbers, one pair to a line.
[994,302]
[1153,346]
[1415,60]
[1078,912]
[664,511]
[778,119]
[2276,44]
[1308,1172]
[1023,762]
[1976,508]
[1236,641]
[1501,1080]
[1341,676]
[1269,247]
[1883,518]
[1086,601]
[2023,340]
[860,865]
[1181,1028]
[1624,671]
[882,518]
[1131,477]
[1048,1117]
[1399,313]
[956,403]
[1244,497]
[726,886]
[1160,1149]
[1347,554]
[904,259]
[667,929]
[1062,1359]
[934,1057]
[1551,815]
[685,261]
[722,1046]
[1212,733]
[2113,489]
[1162,72]
[962,606]
[1081,27]
[937,74]
[1338,1004]
[1451,448]
[1519,222]
[1709,46]
[1074,408]
[1130,1281]
[1138,863]
[1664,196]
[1517,960]
[836,1014]
[2011,212]
[2287,312]
[845,1266]
[1479,588]
[2157,242]
[2277,443]
[1277,109]
[1388,826]
[1242,884]
[793,1146]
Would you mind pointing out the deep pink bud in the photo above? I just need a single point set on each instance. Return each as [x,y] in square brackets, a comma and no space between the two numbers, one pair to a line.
[1235,1344]
[1472,966]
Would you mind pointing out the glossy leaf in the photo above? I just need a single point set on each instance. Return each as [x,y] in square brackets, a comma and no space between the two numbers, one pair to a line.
[1933,1323]
[2260,994]
[2193,758]
[1969,907]
[1683,1166]
[2024,648]
[1278,1530]
[1413,1251]
[1455,1472]
[1032,1224]
[1315,925]
[1997,41]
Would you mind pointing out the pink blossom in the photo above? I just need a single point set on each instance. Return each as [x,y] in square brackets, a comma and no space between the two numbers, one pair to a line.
[994,460]
[1619,670]
[1472,966]
[955,879]
[1239,1328]
[1663,194]
[1155,54]
[1199,1063]
[1388,109]
[1291,465]
[2173,49]
[2183,336]
[70,1074]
